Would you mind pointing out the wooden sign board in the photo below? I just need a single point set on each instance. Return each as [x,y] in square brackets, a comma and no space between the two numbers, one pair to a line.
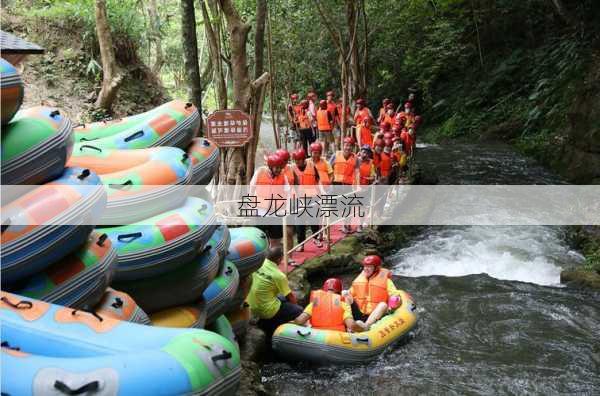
[229,128]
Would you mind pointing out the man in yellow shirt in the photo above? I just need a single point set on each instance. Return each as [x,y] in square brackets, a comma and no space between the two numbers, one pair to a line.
[327,310]
[270,298]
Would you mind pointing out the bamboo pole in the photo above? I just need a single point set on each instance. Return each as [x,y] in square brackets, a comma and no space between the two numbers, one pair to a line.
[285,246]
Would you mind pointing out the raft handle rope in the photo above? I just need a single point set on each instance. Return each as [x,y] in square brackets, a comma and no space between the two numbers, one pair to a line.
[184,157]
[205,143]
[101,240]
[226,355]
[122,186]
[136,135]
[202,209]
[300,333]
[6,345]
[363,340]
[188,105]
[94,314]
[118,303]
[54,113]
[89,146]
[64,388]
[228,271]
[23,304]
[5,225]
[84,173]
[129,237]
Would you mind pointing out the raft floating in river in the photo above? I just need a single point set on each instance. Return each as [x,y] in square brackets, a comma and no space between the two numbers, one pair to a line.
[173,124]
[298,343]
[75,352]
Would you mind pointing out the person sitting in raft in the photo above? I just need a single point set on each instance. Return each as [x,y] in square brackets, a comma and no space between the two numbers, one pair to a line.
[327,309]
[270,298]
[370,291]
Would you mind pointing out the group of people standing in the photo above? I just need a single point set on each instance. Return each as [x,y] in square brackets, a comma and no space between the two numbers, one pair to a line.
[366,156]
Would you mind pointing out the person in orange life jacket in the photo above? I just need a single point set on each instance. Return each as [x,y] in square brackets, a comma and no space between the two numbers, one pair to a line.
[325,124]
[345,169]
[323,167]
[362,112]
[400,120]
[266,182]
[370,292]
[311,96]
[406,141]
[382,110]
[324,170]
[305,134]
[364,134]
[377,150]
[367,174]
[293,110]
[270,298]
[327,310]
[409,114]
[332,108]
[292,181]
[389,116]
[309,186]
[412,140]
[385,166]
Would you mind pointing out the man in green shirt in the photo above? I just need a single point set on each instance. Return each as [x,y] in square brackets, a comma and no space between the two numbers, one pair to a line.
[270,298]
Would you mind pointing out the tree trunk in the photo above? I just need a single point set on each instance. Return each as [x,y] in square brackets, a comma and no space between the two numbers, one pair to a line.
[259,37]
[156,37]
[355,75]
[190,54]
[214,50]
[233,169]
[112,77]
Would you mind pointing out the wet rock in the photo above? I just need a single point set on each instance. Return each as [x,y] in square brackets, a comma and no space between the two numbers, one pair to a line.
[581,278]
[252,353]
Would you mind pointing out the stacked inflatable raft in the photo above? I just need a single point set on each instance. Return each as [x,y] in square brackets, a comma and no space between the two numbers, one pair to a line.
[171,263]
[11,91]
[49,349]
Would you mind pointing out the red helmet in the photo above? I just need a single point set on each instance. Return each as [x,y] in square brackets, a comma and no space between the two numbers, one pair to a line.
[408,104]
[316,146]
[379,142]
[284,154]
[334,284]
[361,101]
[386,101]
[323,104]
[384,126]
[311,94]
[274,160]
[349,140]
[299,154]
[304,104]
[372,260]
[330,93]
[294,96]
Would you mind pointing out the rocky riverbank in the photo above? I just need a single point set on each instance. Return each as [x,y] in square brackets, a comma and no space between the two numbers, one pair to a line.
[587,240]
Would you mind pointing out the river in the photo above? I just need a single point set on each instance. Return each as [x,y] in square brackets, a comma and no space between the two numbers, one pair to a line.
[493,317]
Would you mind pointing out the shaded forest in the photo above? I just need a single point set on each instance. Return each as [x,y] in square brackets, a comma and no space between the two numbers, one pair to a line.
[522,72]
